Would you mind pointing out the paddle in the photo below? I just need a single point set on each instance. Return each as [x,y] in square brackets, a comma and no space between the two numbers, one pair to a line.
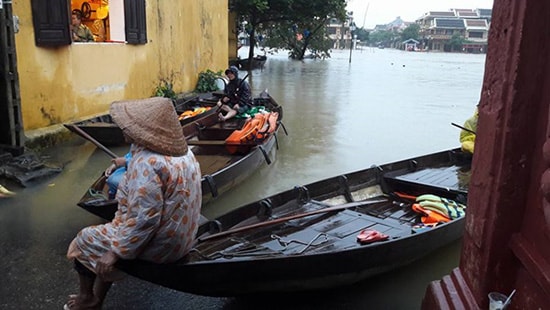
[291,217]
[83,134]
[463,128]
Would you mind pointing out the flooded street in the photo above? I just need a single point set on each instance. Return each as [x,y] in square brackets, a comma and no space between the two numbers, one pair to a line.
[384,106]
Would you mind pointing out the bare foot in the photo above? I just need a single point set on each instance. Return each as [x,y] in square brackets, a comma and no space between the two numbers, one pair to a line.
[78,302]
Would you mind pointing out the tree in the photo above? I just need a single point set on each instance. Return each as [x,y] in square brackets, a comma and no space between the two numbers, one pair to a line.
[380,37]
[306,19]
[299,37]
[411,32]
[362,34]
[456,42]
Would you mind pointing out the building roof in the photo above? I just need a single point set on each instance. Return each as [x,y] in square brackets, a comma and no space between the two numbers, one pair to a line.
[476,23]
[463,10]
[485,12]
[449,23]
[441,13]
[467,14]
[411,40]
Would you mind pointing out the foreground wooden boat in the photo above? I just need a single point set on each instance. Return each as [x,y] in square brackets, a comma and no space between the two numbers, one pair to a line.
[225,161]
[321,235]
[105,131]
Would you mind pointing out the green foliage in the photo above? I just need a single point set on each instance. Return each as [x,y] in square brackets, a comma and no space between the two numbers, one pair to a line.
[165,88]
[207,81]
[381,37]
[298,38]
[456,42]
[362,34]
[411,32]
[274,17]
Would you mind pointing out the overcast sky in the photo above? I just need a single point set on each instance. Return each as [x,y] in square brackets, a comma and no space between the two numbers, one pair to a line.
[385,11]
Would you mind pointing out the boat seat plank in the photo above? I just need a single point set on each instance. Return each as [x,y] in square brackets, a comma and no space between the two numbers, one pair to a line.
[210,164]
[216,143]
[454,178]
[206,142]
[341,231]
[348,222]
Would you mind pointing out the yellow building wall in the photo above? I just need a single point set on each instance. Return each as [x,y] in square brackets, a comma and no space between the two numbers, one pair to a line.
[62,84]
[233,32]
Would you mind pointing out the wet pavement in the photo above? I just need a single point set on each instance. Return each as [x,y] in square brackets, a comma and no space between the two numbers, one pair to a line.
[386,105]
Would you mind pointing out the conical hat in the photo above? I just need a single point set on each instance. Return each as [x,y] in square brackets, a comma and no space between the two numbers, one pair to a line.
[152,123]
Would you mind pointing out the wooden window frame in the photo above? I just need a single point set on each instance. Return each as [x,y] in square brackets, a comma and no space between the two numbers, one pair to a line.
[51,24]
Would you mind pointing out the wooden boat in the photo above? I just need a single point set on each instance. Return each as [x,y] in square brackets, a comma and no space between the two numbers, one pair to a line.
[329,233]
[224,163]
[258,62]
[104,130]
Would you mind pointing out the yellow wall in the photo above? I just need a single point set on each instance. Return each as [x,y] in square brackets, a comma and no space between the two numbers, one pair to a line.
[61,84]
[233,31]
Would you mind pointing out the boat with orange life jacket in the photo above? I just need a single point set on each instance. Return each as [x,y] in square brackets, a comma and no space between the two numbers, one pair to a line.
[349,227]
[222,166]
[105,131]
[254,131]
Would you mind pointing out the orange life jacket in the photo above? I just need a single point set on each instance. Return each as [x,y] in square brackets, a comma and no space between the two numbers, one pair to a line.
[429,216]
[254,131]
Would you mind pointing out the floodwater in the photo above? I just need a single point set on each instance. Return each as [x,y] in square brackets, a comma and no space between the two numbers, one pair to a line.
[385,105]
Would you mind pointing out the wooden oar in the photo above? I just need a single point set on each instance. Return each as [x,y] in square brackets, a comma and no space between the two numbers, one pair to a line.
[86,136]
[291,217]
[463,128]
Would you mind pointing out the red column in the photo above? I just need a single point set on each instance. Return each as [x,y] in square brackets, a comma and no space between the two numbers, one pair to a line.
[508,219]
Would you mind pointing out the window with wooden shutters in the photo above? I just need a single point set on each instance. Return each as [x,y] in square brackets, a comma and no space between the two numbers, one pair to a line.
[51,22]
[134,15]
[52,18]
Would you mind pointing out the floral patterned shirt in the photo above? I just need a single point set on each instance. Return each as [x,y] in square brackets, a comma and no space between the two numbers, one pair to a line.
[159,203]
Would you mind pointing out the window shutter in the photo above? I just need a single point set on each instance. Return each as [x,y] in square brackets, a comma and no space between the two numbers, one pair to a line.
[134,15]
[51,22]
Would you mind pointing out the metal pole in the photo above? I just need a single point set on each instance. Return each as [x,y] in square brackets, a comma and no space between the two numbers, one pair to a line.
[350,49]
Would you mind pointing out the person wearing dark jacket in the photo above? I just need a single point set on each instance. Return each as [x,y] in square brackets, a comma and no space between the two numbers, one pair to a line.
[237,95]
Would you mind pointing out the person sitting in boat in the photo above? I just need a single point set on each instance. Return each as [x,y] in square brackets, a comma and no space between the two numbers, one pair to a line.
[115,172]
[159,202]
[468,134]
[237,98]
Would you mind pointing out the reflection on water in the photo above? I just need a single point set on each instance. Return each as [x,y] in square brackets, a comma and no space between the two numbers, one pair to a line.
[386,105]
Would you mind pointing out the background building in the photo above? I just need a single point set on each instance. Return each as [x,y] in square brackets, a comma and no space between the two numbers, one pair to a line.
[52,80]
[447,30]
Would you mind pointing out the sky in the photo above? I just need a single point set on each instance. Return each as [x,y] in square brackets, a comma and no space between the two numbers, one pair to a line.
[385,11]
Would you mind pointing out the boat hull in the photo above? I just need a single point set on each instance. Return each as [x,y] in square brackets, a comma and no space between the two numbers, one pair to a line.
[105,131]
[234,257]
[221,168]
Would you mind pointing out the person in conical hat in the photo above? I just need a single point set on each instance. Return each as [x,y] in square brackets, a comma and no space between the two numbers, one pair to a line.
[159,202]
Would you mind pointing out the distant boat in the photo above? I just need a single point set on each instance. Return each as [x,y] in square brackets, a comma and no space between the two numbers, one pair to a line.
[258,62]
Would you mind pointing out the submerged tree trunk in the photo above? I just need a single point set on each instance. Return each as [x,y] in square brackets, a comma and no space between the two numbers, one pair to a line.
[252,40]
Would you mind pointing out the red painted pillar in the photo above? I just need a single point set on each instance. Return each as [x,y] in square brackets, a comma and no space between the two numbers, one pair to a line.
[507,236]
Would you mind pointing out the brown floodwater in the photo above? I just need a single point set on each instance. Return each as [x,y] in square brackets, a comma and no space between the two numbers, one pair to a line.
[384,106]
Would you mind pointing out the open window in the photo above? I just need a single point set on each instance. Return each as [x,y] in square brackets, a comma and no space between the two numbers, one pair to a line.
[109,20]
